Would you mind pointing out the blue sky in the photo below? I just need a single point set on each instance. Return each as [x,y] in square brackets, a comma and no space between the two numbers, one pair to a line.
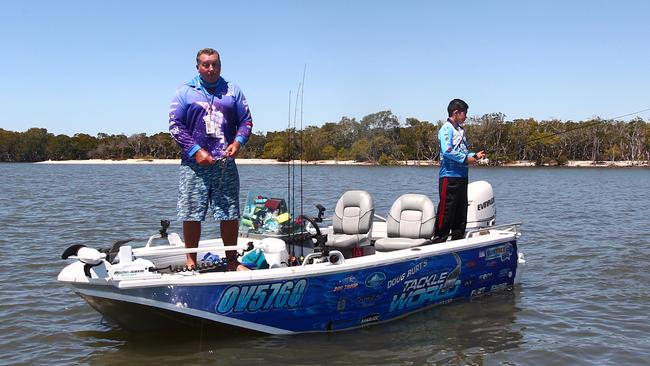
[113,66]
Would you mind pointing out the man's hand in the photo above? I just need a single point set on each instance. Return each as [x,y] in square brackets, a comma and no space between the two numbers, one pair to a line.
[233,149]
[203,157]
[480,155]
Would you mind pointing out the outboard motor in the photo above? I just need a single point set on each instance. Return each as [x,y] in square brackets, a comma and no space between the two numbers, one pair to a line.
[481,208]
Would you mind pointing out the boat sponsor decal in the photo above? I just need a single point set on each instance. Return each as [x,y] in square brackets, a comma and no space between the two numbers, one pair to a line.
[370,318]
[427,289]
[501,251]
[485,276]
[410,272]
[348,283]
[368,300]
[477,291]
[263,297]
[341,304]
[375,279]
[347,286]
[506,272]
[499,287]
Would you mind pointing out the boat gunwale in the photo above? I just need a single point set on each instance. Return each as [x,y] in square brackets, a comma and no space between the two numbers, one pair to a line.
[319,269]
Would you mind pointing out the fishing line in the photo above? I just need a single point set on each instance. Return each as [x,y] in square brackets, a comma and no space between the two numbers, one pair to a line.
[293,161]
[584,126]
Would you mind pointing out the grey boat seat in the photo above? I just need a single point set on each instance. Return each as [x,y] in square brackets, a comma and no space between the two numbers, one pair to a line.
[410,223]
[352,220]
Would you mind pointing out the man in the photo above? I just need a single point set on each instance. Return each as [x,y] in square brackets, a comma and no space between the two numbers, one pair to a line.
[452,184]
[210,120]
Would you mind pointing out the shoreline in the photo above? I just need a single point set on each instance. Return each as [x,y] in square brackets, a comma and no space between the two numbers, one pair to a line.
[521,163]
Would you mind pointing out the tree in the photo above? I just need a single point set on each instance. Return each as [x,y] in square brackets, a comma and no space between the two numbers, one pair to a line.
[8,145]
[32,145]
[254,147]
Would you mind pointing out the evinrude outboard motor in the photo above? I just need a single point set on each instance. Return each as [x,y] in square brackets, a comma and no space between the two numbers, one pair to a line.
[481,208]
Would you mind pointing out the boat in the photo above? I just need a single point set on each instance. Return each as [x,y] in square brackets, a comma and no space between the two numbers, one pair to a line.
[359,269]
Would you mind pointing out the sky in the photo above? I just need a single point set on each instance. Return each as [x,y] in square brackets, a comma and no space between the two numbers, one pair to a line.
[113,66]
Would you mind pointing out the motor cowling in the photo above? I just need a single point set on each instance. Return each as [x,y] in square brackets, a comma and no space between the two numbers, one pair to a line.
[481,207]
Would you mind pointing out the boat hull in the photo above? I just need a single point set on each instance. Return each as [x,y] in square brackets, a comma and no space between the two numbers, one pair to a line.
[315,302]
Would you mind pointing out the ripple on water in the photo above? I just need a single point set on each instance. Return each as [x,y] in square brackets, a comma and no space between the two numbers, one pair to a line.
[583,299]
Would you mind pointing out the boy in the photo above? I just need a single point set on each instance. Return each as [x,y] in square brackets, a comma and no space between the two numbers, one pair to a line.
[452,184]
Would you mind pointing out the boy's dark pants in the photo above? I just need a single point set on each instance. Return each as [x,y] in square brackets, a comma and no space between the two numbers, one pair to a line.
[452,208]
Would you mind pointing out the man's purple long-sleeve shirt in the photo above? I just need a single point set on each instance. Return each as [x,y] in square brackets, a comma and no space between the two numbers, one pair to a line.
[193,102]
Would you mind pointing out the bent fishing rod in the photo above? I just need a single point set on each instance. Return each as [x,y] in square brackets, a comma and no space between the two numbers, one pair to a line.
[588,125]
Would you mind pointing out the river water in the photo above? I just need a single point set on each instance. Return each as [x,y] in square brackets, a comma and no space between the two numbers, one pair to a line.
[584,297]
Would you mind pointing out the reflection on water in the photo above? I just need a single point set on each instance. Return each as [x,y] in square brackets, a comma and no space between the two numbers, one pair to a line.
[466,331]
[584,297]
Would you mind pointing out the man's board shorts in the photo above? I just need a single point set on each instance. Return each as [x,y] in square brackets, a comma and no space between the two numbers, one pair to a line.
[215,186]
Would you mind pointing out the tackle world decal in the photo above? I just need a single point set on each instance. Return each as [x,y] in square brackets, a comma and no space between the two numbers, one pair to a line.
[427,289]
[412,271]
[263,297]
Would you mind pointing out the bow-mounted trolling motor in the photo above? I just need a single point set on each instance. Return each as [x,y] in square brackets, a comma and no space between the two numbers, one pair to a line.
[118,260]
[88,256]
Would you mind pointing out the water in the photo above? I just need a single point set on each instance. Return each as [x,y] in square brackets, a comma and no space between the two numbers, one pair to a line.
[584,297]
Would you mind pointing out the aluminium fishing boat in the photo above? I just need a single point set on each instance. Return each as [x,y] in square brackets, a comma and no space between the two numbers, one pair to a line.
[359,270]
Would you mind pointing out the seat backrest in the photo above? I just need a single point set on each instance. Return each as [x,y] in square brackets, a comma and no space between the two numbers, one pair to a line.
[411,216]
[353,213]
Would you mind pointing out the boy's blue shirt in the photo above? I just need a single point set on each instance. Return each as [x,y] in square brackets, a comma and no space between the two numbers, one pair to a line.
[453,151]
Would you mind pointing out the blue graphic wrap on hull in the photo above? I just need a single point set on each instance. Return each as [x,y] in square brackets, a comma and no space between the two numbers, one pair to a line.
[354,298]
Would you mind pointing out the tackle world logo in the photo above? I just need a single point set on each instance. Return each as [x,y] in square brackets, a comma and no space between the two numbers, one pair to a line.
[432,288]
[424,290]
[264,297]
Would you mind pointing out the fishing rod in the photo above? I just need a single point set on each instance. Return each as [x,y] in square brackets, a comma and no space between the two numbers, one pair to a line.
[302,159]
[293,160]
[289,172]
[291,163]
[588,125]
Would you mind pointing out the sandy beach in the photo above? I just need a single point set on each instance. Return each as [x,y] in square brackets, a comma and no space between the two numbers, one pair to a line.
[178,161]
[522,163]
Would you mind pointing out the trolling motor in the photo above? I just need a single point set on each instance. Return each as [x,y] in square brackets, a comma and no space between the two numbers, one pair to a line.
[112,252]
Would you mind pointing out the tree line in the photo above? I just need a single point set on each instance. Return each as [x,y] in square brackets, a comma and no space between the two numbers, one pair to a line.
[378,138]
